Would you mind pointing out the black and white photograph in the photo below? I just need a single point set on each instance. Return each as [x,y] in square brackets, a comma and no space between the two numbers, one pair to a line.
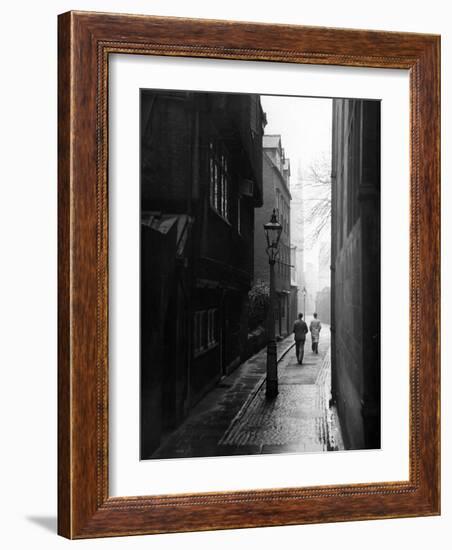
[260,274]
[225,229]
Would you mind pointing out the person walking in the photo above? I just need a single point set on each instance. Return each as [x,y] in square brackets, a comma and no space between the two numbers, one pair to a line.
[300,329]
[315,327]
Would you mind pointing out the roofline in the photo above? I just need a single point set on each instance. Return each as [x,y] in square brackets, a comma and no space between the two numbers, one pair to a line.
[276,169]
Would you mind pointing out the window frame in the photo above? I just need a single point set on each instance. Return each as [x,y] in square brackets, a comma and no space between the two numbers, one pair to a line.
[205,330]
[218,159]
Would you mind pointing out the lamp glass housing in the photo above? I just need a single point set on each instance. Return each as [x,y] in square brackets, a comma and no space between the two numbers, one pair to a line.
[273,233]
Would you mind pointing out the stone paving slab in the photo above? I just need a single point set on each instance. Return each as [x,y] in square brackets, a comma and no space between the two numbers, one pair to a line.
[292,418]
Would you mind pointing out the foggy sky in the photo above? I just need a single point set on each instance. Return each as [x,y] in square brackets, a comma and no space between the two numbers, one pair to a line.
[305,128]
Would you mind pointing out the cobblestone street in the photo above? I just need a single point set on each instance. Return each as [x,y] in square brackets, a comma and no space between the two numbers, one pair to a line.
[236,418]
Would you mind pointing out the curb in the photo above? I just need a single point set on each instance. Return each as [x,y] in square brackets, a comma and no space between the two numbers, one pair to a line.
[251,396]
[285,352]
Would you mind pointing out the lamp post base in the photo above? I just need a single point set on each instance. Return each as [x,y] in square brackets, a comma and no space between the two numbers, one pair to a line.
[271,389]
[272,361]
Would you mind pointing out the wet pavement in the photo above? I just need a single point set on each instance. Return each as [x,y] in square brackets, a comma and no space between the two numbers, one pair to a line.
[236,418]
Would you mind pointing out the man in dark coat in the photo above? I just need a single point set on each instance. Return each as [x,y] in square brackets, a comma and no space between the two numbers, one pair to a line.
[300,329]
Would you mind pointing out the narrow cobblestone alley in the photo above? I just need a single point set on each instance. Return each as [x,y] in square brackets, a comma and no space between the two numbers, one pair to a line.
[299,419]
[235,418]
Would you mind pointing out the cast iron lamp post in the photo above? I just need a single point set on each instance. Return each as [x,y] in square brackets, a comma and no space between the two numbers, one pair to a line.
[304,306]
[272,233]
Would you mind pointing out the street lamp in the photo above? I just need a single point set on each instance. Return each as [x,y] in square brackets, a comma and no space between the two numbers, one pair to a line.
[272,233]
[304,292]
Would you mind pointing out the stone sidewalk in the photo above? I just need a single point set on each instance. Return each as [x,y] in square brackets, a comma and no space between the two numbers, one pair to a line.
[298,420]
[200,433]
[235,418]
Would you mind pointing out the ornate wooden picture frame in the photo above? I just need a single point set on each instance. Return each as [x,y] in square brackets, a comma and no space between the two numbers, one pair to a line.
[86,41]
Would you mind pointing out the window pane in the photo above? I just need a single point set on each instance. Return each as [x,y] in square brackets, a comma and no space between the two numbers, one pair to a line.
[226,191]
[215,180]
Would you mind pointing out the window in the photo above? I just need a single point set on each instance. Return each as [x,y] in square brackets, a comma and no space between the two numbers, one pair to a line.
[239,213]
[219,177]
[212,321]
[285,217]
[198,342]
[205,330]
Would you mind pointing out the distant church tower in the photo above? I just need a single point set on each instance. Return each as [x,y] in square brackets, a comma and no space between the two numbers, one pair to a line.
[297,231]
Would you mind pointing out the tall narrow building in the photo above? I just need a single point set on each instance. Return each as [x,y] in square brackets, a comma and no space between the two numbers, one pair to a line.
[276,195]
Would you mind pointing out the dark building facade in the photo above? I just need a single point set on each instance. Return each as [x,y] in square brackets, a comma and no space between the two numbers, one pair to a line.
[201,179]
[355,284]
[276,194]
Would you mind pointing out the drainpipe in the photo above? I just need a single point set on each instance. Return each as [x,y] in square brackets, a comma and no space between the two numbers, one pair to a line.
[193,183]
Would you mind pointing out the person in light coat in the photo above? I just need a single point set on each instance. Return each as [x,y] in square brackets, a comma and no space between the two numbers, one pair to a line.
[314,328]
